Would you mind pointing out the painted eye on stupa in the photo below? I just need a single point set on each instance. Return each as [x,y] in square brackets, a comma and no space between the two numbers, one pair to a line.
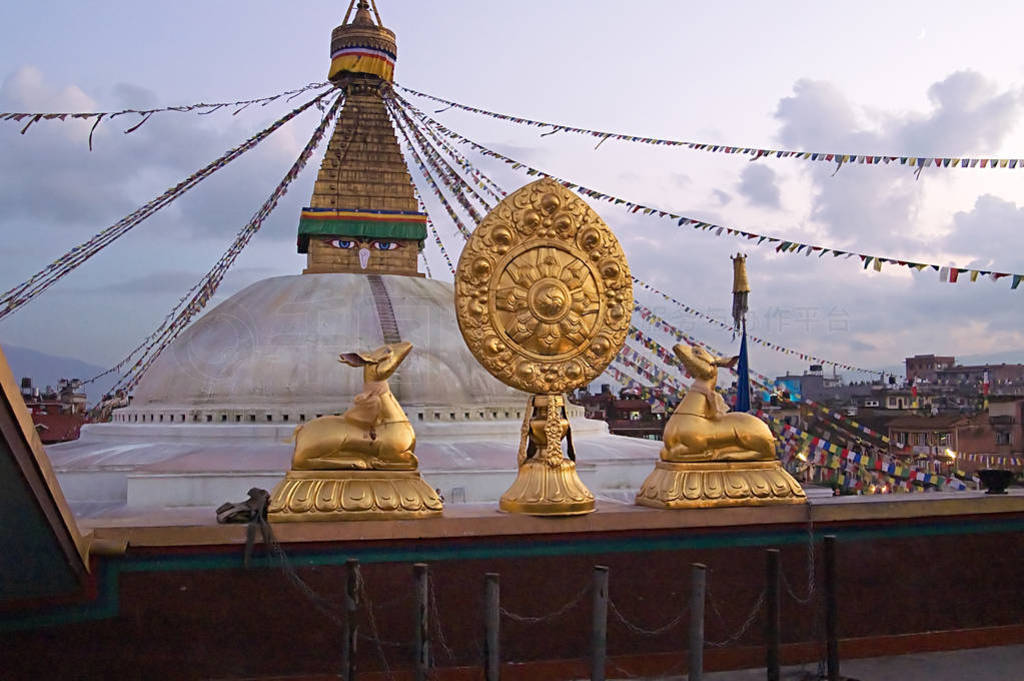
[342,243]
[386,245]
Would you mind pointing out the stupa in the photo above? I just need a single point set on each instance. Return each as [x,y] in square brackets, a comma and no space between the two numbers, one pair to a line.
[215,413]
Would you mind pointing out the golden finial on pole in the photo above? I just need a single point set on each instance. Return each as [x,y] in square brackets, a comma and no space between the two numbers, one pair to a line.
[740,289]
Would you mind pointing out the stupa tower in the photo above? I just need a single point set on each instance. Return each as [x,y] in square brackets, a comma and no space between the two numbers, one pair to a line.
[363,216]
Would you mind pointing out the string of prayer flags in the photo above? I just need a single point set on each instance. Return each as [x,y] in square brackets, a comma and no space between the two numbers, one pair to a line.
[25,292]
[751,337]
[918,163]
[200,294]
[145,114]
[755,238]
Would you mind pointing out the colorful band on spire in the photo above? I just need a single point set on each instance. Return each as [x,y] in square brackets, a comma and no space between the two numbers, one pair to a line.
[377,224]
[369,60]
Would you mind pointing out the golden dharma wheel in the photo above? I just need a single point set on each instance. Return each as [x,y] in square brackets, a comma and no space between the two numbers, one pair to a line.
[543,294]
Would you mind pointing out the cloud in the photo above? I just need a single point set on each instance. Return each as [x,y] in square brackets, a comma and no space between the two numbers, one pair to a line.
[51,177]
[986,233]
[877,210]
[723,198]
[757,185]
[970,116]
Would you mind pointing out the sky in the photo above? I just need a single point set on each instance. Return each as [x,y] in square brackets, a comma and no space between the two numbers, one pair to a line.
[907,78]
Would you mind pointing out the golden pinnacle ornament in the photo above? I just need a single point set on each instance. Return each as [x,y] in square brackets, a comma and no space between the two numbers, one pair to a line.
[543,296]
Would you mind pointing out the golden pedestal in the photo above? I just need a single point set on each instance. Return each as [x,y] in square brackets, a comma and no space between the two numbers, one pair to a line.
[716,484]
[547,482]
[352,495]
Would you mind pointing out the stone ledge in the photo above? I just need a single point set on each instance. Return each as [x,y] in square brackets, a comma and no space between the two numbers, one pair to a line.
[159,527]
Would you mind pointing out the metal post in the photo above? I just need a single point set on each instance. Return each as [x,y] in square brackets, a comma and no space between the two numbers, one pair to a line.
[831,609]
[351,628]
[492,624]
[771,621]
[599,624]
[698,589]
[422,640]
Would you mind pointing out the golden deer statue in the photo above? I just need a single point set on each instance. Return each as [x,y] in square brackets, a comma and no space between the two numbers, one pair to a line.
[374,434]
[701,430]
[712,458]
[358,465]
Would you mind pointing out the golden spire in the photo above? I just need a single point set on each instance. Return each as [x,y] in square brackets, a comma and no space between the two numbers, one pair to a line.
[363,217]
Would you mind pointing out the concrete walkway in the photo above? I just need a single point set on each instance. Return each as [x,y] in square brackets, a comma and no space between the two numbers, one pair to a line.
[1003,663]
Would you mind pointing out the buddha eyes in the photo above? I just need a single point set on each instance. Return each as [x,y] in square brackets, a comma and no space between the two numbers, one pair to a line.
[351,243]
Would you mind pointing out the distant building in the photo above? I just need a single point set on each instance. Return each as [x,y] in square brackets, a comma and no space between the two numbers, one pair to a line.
[626,414]
[58,414]
[993,438]
[940,370]
[925,435]
[925,366]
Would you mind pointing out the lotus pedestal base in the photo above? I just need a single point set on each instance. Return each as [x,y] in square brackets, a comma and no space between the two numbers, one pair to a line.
[719,484]
[352,495]
[542,489]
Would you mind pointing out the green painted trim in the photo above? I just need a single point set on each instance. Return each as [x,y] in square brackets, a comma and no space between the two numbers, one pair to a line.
[371,229]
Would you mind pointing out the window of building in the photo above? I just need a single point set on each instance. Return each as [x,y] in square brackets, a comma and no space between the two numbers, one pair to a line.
[1003,438]
[209,418]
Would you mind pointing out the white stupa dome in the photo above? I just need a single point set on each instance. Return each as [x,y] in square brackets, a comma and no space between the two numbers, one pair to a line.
[215,414]
[272,350]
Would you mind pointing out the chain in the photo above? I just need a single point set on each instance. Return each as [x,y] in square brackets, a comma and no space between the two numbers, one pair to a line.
[436,616]
[375,635]
[527,619]
[637,629]
[626,673]
[326,607]
[755,611]
[810,564]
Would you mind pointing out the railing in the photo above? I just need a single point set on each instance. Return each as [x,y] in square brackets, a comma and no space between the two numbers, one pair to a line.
[357,613]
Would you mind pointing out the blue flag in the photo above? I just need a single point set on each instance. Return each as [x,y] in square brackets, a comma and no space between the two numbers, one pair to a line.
[743,376]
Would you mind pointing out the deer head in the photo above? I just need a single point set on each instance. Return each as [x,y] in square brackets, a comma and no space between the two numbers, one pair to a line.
[379,364]
[700,363]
